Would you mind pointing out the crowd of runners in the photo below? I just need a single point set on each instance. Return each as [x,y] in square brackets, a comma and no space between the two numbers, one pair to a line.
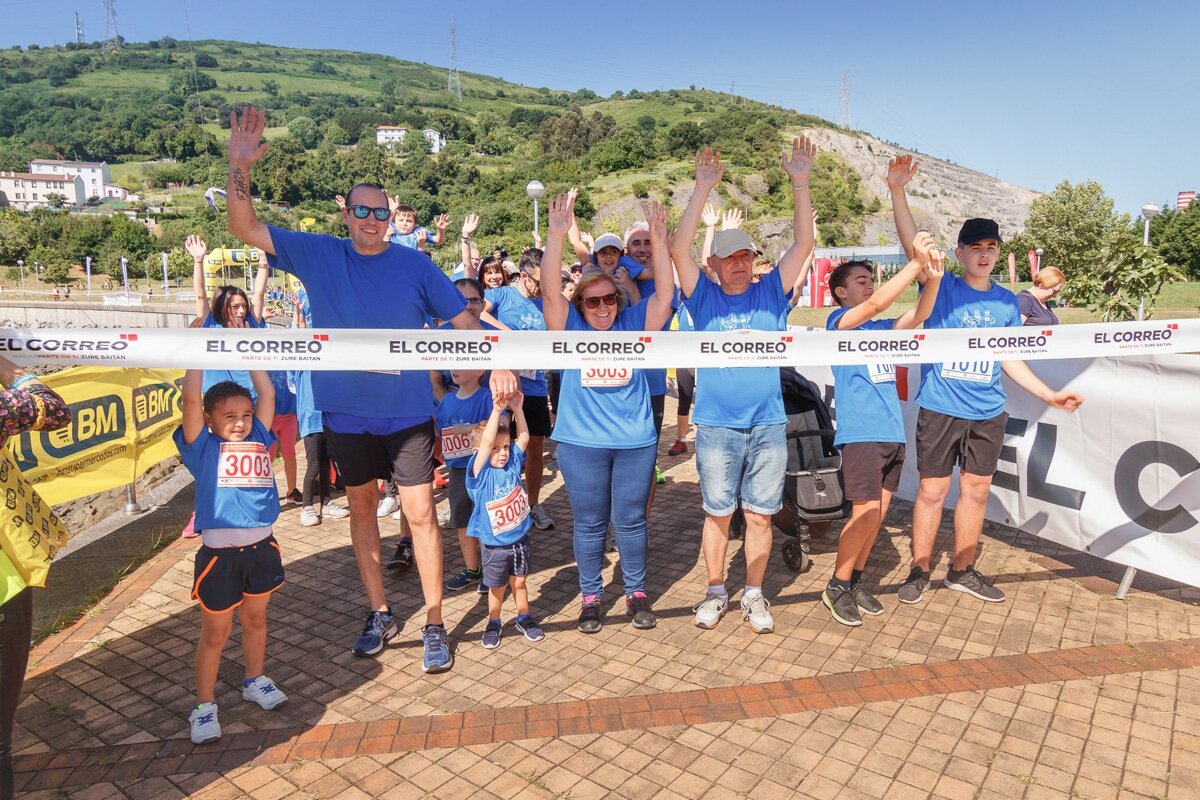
[490,429]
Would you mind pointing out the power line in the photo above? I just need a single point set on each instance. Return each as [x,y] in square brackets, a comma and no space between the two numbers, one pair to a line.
[112,39]
[452,82]
[844,121]
[78,29]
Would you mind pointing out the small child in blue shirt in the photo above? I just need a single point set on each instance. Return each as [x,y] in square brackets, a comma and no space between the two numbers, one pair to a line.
[223,442]
[457,415]
[501,517]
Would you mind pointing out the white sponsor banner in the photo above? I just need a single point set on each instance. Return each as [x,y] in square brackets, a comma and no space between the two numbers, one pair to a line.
[389,350]
[1119,478]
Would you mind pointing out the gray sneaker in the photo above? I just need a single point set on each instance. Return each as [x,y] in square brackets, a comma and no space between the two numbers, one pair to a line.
[974,584]
[840,603]
[710,611]
[866,602]
[914,588]
[755,610]
[541,520]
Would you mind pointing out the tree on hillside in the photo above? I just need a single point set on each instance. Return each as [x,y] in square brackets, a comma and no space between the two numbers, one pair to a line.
[53,263]
[304,129]
[573,135]
[1074,225]
[1176,234]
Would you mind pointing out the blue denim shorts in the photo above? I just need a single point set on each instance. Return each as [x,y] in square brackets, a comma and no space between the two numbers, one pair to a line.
[741,462]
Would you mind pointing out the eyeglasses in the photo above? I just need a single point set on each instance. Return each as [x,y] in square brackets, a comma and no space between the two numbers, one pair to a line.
[594,302]
[362,212]
[475,301]
[536,282]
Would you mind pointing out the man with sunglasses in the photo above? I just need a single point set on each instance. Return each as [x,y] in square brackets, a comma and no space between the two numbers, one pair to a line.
[519,306]
[741,442]
[377,425]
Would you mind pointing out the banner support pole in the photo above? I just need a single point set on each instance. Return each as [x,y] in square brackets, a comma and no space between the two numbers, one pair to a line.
[131,506]
[1126,582]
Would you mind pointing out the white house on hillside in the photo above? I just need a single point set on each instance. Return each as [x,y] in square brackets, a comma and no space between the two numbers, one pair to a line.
[25,190]
[390,135]
[436,140]
[95,175]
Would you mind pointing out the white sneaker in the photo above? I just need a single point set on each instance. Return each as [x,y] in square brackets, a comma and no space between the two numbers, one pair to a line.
[308,517]
[755,610]
[444,519]
[334,512]
[398,514]
[386,506]
[710,611]
[541,520]
[205,728]
[262,690]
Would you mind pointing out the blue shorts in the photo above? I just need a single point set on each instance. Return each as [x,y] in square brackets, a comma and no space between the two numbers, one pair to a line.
[741,462]
[504,562]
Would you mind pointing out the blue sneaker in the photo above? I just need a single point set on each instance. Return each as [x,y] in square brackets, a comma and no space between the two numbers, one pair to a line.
[438,657]
[379,629]
[531,629]
[464,578]
[491,635]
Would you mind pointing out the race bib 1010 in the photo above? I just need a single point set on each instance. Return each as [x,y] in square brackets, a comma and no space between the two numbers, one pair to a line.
[972,371]
[244,464]
[605,377]
[882,373]
[509,512]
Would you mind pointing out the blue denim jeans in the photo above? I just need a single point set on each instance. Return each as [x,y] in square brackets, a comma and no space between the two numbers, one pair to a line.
[741,462]
[608,484]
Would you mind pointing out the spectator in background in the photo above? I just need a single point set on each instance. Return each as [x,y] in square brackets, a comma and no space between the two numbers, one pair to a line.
[1033,302]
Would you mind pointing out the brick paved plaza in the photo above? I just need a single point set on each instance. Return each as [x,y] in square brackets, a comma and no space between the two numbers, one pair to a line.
[1061,692]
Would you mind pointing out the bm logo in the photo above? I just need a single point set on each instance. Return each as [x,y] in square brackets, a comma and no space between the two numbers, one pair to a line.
[93,422]
[155,403]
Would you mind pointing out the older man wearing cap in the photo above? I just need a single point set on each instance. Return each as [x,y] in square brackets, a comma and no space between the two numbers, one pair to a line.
[962,417]
[741,445]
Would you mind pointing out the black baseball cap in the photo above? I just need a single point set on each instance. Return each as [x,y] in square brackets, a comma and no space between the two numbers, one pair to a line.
[977,229]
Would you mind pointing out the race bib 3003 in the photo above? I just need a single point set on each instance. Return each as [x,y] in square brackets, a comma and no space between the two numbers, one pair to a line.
[605,377]
[508,512]
[882,373]
[973,371]
[456,444]
[244,464]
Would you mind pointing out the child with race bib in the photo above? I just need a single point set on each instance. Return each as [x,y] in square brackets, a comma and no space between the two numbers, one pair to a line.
[223,442]
[457,415]
[501,517]
[870,429]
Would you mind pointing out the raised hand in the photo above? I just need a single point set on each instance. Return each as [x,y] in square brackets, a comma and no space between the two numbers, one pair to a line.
[422,236]
[923,246]
[936,267]
[621,275]
[709,170]
[470,224]
[587,239]
[442,222]
[245,136]
[341,201]
[900,171]
[656,216]
[815,230]
[195,247]
[562,212]
[709,216]
[515,401]
[392,202]
[731,220]
[537,240]
[804,153]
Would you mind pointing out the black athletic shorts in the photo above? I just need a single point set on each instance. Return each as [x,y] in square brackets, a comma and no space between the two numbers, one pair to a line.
[943,441]
[870,467]
[537,415]
[224,576]
[658,404]
[686,380]
[461,505]
[404,456]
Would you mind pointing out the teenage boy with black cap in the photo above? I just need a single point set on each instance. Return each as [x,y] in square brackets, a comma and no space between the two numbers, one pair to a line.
[962,416]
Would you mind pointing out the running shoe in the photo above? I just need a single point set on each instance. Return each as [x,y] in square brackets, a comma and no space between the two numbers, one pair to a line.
[403,556]
[308,517]
[658,475]
[464,578]
[610,540]
[637,605]
[678,449]
[914,587]
[262,690]
[591,614]
[386,506]
[491,635]
[710,610]
[438,657]
[756,611]
[840,603]
[293,498]
[444,519]
[530,628]
[438,481]
[379,629]
[974,584]
[541,520]
[398,514]
[205,728]
[334,511]
[866,602]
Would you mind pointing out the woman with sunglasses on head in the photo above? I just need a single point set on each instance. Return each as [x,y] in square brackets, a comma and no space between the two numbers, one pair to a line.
[605,428]
[1035,301]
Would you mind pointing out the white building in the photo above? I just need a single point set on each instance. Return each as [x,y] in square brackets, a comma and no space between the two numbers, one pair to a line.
[25,190]
[390,135]
[111,190]
[436,140]
[95,175]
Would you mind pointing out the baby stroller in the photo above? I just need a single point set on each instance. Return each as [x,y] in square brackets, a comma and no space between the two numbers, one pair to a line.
[812,487]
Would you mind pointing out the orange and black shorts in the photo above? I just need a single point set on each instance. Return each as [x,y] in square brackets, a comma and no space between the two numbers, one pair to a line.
[227,575]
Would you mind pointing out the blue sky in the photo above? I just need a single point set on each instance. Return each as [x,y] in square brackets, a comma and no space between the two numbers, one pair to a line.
[1034,92]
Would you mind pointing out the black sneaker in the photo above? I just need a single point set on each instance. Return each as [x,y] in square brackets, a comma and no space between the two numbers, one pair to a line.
[972,583]
[914,587]
[840,603]
[294,497]
[403,557]
[590,615]
[866,602]
[482,588]
[637,605]
[464,578]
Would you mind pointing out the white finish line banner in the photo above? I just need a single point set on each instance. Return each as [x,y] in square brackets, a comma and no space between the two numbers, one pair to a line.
[390,350]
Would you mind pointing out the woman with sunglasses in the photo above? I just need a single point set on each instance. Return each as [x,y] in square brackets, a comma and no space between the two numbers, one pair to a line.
[605,428]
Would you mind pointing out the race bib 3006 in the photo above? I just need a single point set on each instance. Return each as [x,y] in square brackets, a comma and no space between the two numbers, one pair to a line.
[605,377]
[244,464]
[455,443]
[508,512]
[973,371]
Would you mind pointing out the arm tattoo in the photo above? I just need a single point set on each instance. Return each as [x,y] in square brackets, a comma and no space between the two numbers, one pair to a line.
[240,187]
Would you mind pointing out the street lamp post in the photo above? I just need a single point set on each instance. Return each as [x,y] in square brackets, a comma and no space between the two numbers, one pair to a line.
[1037,267]
[1149,211]
[21,267]
[535,190]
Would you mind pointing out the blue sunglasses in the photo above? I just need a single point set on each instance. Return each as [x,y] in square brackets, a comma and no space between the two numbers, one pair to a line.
[362,212]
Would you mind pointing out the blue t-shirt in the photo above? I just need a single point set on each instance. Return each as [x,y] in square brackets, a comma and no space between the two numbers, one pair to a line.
[307,417]
[684,318]
[452,411]
[285,398]
[211,377]
[967,389]
[607,406]
[739,397]
[231,506]
[868,408]
[398,288]
[409,239]
[509,504]
[521,314]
